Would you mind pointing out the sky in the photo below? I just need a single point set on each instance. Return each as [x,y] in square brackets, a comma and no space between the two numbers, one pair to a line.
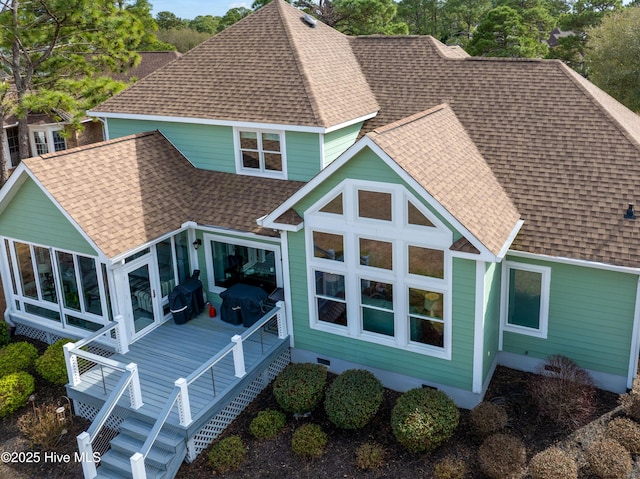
[189,9]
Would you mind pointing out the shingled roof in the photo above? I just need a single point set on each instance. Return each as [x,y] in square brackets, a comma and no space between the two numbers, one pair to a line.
[564,151]
[129,191]
[435,150]
[271,67]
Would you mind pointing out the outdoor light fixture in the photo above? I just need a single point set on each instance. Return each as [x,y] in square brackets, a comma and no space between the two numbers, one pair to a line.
[197,243]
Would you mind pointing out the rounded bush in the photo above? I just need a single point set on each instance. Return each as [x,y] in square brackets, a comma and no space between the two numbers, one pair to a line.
[299,387]
[15,389]
[309,441]
[626,432]
[370,456]
[553,463]
[267,424]
[17,357]
[423,419]
[5,336]
[501,456]
[51,365]
[608,459]
[631,405]
[228,454]
[487,418]
[353,398]
[450,468]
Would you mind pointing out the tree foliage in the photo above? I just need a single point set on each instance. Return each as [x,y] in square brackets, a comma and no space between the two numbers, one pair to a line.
[612,56]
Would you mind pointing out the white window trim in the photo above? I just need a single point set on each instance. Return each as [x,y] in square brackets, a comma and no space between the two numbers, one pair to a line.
[48,131]
[208,254]
[545,288]
[261,172]
[352,227]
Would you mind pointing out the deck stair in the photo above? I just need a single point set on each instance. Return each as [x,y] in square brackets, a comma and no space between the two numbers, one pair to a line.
[163,461]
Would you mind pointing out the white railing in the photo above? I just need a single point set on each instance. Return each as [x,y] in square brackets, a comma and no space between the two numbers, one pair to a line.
[180,394]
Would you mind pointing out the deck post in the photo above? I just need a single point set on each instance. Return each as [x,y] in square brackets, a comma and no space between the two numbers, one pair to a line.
[135,392]
[137,466]
[282,320]
[73,373]
[238,356]
[121,335]
[184,406]
[86,456]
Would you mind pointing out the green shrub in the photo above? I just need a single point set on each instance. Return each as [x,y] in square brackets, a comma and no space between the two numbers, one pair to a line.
[299,387]
[42,426]
[608,459]
[564,393]
[309,441]
[450,468]
[15,390]
[370,456]
[5,336]
[553,463]
[353,399]
[17,357]
[51,365]
[423,419]
[626,432]
[267,424]
[228,454]
[502,456]
[487,418]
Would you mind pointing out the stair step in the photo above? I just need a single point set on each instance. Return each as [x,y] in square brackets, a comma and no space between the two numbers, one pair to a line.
[120,463]
[111,474]
[130,445]
[138,429]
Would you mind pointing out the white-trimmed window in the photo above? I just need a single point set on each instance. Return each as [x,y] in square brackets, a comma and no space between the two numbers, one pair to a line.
[526,298]
[46,139]
[260,152]
[379,268]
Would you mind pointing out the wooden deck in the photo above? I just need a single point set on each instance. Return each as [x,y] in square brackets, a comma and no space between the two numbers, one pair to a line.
[175,351]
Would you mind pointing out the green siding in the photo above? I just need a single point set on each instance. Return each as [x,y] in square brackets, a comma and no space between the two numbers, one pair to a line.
[336,142]
[206,146]
[590,318]
[32,217]
[303,155]
[491,317]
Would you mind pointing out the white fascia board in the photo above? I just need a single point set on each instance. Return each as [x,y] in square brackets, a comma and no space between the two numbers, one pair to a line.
[280,226]
[10,188]
[574,262]
[509,242]
[350,122]
[101,256]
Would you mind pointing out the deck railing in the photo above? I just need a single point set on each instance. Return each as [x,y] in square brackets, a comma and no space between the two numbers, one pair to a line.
[180,394]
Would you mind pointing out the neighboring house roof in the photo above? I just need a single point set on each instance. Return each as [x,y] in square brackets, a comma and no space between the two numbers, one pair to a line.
[436,151]
[271,67]
[149,62]
[556,34]
[129,191]
[565,152]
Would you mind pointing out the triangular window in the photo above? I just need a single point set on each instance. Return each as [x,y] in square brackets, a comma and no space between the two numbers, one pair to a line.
[415,217]
[334,206]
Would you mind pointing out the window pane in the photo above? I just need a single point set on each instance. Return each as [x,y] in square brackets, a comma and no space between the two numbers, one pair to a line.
[11,273]
[328,246]
[59,143]
[14,148]
[372,204]
[105,282]
[334,206]
[82,323]
[234,264]
[25,266]
[334,312]
[165,267]
[45,274]
[249,140]
[378,254]
[137,255]
[329,284]
[417,218]
[378,321]
[43,312]
[250,159]
[426,262]
[181,241]
[524,298]
[68,280]
[376,293]
[90,288]
[427,331]
[41,142]
[271,142]
[273,161]
[426,303]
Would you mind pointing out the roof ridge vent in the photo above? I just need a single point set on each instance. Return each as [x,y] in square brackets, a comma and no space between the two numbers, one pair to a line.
[310,20]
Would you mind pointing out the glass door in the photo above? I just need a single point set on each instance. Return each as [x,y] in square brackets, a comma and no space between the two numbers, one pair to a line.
[142,294]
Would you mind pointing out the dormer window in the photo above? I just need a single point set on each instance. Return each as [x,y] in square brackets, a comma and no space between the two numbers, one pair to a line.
[260,152]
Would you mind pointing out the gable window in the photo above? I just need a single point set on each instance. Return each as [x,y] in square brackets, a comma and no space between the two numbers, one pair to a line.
[46,139]
[379,271]
[526,299]
[260,152]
